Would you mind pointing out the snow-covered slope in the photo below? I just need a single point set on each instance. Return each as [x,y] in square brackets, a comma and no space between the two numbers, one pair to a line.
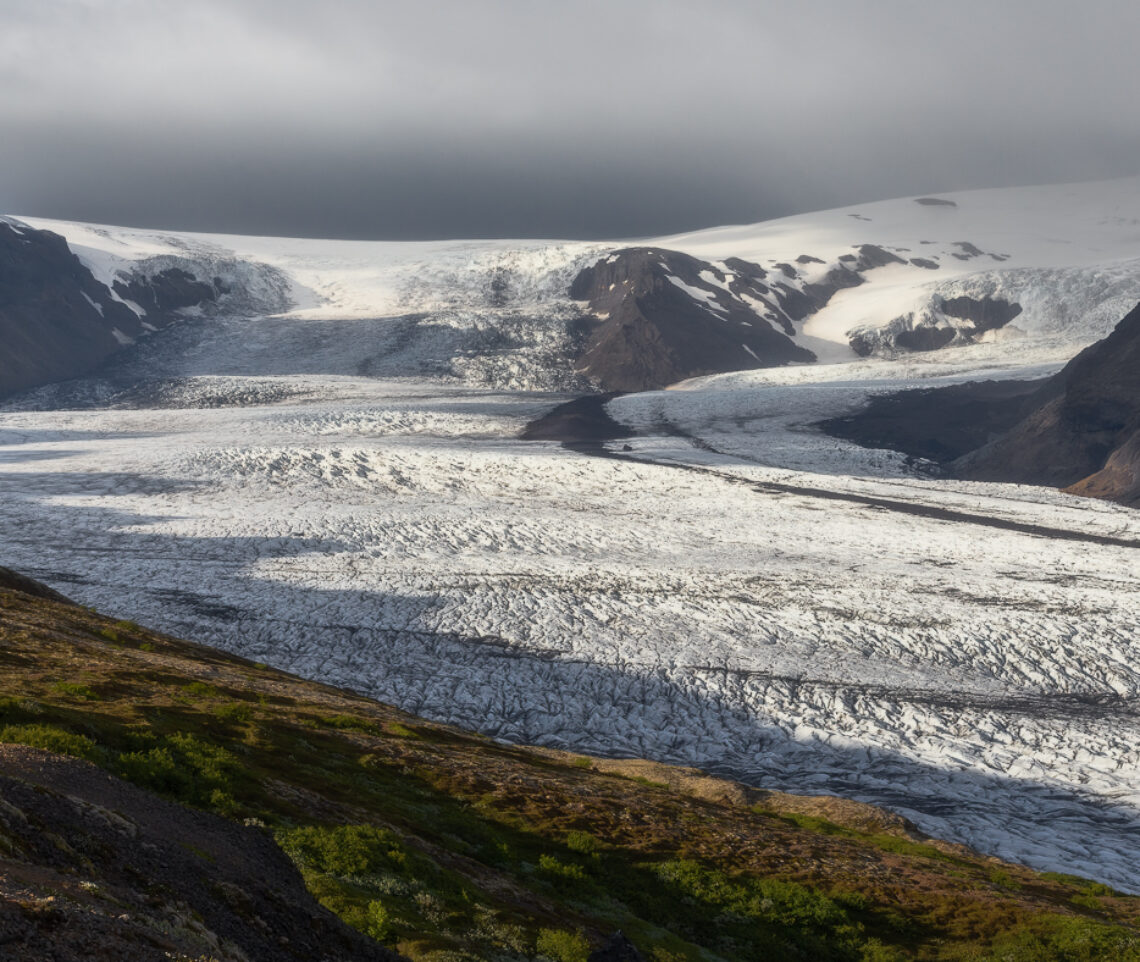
[1064,260]
[1069,254]
[486,312]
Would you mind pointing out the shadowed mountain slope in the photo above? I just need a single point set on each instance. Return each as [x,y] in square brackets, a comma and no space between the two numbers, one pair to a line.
[1078,430]
[1081,431]
[56,320]
[664,316]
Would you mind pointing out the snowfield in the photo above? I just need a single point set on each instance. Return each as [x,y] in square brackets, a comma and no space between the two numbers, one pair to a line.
[337,489]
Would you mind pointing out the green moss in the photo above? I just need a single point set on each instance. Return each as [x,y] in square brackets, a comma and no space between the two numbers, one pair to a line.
[75,691]
[187,768]
[238,711]
[343,850]
[1002,879]
[582,842]
[199,689]
[564,875]
[400,731]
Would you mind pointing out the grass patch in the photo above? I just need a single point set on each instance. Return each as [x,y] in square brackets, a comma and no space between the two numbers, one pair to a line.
[344,850]
[400,731]
[238,711]
[72,690]
[350,723]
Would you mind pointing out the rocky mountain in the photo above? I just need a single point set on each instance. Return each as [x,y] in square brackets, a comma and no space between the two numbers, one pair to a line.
[1080,431]
[663,316]
[56,320]
[277,794]
[59,321]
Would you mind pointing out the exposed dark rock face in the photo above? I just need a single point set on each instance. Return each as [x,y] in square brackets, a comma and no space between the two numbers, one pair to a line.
[1078,430]
[871,255]
[934,202]
[666,316]
[169,290]
[924,338]
[955,320]
[618,948]
[968,250]
[139,878]
[56,320]
[1082,432]
[925,262]
[985,313]
[583,419]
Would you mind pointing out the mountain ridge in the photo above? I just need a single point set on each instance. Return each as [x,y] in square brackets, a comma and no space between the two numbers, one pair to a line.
[1029,271]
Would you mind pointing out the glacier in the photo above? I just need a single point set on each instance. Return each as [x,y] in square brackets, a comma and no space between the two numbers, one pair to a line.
[337,488]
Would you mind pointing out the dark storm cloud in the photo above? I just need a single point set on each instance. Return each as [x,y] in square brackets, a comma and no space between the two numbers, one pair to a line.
[581,118]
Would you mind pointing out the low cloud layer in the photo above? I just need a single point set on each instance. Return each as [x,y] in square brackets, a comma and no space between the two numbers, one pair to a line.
[579,119]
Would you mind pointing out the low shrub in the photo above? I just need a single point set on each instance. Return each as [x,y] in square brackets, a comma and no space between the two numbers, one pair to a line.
[562,946]
[343,850]
[51,738]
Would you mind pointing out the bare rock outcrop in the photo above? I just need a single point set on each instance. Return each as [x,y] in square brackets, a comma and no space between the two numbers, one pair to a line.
[1082,431]
[94,868]
[663,316]
[56,320]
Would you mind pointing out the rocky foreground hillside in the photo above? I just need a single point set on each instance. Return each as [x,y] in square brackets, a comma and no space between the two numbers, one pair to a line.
[434,843]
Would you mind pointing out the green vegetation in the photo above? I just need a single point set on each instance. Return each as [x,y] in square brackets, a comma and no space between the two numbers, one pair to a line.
[71,690]
[562,946]
[446,845]
[51,738]
[1067,940]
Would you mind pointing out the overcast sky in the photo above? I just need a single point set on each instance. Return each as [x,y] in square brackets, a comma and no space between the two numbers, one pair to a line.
[574,118]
